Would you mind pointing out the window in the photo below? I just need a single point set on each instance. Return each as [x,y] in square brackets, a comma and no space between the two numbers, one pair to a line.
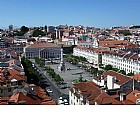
[13,83]
[9,89]
[1,90]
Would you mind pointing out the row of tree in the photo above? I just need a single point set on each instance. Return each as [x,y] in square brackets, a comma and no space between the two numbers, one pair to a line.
[109,67]
[53,75]
[75,59]
[23,30]
[33,75]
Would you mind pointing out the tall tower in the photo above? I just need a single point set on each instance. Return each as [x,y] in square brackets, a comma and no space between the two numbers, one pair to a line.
[11,27]
[56,33]
[61,67]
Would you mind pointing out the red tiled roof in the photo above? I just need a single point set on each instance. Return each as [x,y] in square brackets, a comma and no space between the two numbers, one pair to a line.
[90,49]
[121,79]
[43,45]
[16,98]
[107,99]
[113,43]
[127,102]
[136,77]
[12,74]
[133,96]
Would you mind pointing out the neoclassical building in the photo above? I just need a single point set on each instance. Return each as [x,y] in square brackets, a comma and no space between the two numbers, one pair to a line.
[42,50]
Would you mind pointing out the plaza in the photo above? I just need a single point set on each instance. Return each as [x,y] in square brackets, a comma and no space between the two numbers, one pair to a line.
[71,73]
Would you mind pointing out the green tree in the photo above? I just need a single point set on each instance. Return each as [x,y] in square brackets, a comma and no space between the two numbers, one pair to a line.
[108,67]
[130,74]
[24,29]
[115,69]
[94,71]
[101,66]
[30,72]
[126,33]
[122,72]
[100,72]
[38,32]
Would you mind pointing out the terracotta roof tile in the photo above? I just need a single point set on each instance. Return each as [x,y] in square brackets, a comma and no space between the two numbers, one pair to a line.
[43,45]
[120,79]
[133,96]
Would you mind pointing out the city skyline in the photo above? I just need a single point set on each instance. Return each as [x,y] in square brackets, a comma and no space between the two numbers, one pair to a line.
[95,13]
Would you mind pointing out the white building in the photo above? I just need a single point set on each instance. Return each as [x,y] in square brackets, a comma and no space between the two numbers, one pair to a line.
[78,94]
[127,61]
[112,80]
[69,40]
[88,93]
[93,55]
[20,40]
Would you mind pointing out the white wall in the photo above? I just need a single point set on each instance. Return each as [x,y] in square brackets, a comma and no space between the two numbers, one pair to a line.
[110,82]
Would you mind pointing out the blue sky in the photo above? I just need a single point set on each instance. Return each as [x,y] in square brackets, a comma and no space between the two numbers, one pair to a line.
[96,13]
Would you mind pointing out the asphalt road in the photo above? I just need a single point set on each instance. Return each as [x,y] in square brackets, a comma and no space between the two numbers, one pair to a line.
[56,92]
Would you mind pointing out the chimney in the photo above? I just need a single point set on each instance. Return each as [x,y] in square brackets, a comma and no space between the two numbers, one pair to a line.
[122,96]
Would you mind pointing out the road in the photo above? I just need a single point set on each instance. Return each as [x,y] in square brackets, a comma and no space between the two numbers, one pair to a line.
[56,92]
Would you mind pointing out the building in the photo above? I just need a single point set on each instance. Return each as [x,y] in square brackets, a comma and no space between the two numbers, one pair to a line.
[29,95]
[10,59]
[88,93]
[127,61]
[111,88]
[42,50]
[93,55]
[10,80]
[112,81]
[11,27]
[112,45]
[18,47]
[3,44]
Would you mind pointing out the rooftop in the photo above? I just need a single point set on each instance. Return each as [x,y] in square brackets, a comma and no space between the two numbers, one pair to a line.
[43,45]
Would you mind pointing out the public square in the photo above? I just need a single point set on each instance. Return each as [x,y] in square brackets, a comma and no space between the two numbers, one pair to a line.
[72,73]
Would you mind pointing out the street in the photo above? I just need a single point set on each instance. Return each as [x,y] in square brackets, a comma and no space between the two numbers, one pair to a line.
[56,92]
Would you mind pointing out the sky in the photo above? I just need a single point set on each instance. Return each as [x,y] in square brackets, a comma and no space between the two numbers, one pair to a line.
[95,13]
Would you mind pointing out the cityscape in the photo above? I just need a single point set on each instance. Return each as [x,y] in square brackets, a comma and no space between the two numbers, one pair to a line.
[70,65]
[69,52]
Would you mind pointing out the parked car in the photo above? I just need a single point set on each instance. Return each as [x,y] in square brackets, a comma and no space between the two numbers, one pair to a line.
[49,91]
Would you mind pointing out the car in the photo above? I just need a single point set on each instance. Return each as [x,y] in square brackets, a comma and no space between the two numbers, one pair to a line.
[66,103]
[60,98]
[60,102]
[65,100]
[49,91]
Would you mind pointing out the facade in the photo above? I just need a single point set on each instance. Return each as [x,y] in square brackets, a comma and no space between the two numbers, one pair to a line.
[113,81]
[28,95]
[10,80]
[89,93]
[93,55]
[3,44]
[42,50]
[9,59]
[18,47]
[127,61]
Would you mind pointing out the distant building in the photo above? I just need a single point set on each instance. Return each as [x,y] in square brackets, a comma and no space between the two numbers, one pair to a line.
[51,29]
[11,27]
